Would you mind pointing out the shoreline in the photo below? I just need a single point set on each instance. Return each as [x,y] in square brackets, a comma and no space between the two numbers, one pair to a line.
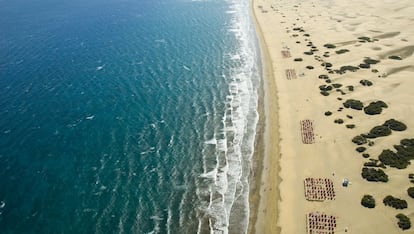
[264,194]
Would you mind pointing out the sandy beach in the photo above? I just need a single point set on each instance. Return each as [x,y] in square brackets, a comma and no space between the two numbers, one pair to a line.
[319,55]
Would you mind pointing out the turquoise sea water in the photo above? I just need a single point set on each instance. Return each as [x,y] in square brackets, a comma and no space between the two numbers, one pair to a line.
[126,116]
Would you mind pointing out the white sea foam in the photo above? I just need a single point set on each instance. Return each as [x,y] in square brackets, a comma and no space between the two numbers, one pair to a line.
[228,187]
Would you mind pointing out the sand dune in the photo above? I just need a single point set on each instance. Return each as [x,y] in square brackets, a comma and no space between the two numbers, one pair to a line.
[338,50]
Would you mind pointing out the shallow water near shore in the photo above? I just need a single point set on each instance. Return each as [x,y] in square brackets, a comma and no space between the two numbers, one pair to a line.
[127,116]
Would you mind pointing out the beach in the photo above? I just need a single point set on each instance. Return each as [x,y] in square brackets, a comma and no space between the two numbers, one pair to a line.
[333,73]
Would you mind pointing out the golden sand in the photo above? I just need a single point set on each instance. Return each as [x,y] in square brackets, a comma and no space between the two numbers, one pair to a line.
[358,30]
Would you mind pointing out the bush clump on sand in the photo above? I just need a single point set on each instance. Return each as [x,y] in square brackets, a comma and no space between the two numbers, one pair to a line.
[374,163]
[350,88]
[410,192]
[401,158]
[337,86]
[341,51]
[353,104]
[324,93]
[365,156]
[309,67]
[368,201]
[393,159]
[378,131]
[325,88]
[395,125]
[339,121]
[371,61]
[350,126]
[298,59]
[375,175]
[326,64]
[328,113]
[343,69]
[395,202]
[395,57]
[308,52]
[403,221]
[365,82]
[365,39]
[329,46]
[359,140]
[324,77]
[375,108]
[360,149]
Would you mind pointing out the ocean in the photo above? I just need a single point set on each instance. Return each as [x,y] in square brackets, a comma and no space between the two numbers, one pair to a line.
[127,116]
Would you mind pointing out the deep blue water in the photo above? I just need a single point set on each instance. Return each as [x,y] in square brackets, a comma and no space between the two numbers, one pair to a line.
[126,116]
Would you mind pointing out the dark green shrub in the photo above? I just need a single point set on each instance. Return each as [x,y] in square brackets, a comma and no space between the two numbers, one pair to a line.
[337,86]
[343,69]
[371,61]
[329,46]
[323,77]
[354,104]
[405,149]
[395,125]
[411,176]
[365,39]
[395,202]
[341,51]
[378,131]
[328,81]
[328,113]
[410,192]
[395,57]
[324,93]
[368,201]
[373,162]
[392,159]
[403,221]
[308,53]
[360,149]
[339,121]
[309,67]
[325,87]
[359,140]
[326,64]
[375,108]
[298,60]
[365,82]
[364,65]
[375,175]
[350,126]
[350,88]
[365,156]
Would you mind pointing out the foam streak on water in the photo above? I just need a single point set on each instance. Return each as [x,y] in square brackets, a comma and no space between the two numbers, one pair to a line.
[227,171]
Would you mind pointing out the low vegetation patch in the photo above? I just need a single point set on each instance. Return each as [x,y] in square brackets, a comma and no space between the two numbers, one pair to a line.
[374,175]
[359,140]
[395,202]
[395,125]
[410,192]
[375,108]
[328,113]
[403,221]
[353,104]
[395,57]
[378,131]
[365,82]
[368,201]
[342,51]
[329,46]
